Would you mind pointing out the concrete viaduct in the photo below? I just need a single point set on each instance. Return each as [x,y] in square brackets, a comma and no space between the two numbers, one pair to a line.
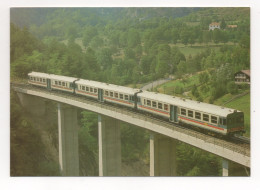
[162,139]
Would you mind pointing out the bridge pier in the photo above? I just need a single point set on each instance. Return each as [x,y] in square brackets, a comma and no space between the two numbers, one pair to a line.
[109,142]
[224,167]
[162,155]
[68,140]
[34,105]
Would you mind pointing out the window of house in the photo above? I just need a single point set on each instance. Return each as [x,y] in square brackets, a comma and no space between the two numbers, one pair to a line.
[190,113]
[214,119]
[205,117]
[159,105]
[183,111]
[154,104]
[148,102]
[197,115]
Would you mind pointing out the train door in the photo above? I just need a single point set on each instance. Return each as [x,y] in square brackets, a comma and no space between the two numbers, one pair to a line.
[48,83]
[100,95]
[173,113]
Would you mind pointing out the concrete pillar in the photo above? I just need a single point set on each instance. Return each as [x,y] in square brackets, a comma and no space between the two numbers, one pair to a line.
[34,105]
[109,146]
[224,167]
[68,140]
[162,156]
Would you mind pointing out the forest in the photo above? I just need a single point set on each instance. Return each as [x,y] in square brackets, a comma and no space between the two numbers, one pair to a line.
[124,46]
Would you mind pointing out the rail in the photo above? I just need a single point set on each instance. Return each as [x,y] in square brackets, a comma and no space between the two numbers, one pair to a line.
[239,147]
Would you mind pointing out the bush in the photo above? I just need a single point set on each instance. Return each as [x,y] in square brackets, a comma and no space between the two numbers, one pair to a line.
[232,87]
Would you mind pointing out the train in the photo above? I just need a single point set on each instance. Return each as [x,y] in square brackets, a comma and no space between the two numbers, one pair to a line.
[185,112]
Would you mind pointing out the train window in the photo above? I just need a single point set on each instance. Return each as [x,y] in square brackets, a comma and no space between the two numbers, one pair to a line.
[43,80]
[183,111]
[111,94]
[60,83]
[205,117]
[190,113]
[126,97]
[56,82]
[40,79]
[106,93]
[138,99]
[83,87]
[95,90]
[121,96]
[34,78]
[116,94]
[159,105]
[87,88]
[154,104]
[214,119]
[166,107]
[63,83]
[144,101]
[91,89]
[31,78]
[148,102]
[197,115]
[37,79]
[224,121]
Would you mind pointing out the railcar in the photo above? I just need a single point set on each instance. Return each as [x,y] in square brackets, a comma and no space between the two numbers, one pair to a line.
[104,92]
[208,117]
[39,79]
[62,83]
[188,112]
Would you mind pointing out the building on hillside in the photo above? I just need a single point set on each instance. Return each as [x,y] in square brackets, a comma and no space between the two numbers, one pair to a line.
[214,25]
[231,26]
[242,77]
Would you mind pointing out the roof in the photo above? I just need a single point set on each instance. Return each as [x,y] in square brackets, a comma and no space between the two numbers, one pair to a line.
[62,78]
[38,74]
[247,72]
[186,103]
[214,23]
[107,86]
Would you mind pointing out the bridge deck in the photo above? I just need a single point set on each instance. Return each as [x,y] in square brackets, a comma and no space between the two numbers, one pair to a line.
[239,153]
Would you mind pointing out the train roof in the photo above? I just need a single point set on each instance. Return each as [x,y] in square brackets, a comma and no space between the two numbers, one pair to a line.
[62,78]
[38,74]
[186,103]
[107,86]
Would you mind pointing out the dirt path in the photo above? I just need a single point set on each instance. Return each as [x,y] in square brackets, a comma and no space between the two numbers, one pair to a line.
[153,84]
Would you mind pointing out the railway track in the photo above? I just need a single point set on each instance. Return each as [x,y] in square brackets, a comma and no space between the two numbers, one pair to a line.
[237,143]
